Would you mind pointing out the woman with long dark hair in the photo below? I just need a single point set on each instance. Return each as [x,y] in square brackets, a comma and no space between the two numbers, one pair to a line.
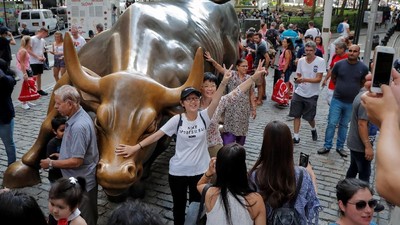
[275,176]
[285,59]
[231,201]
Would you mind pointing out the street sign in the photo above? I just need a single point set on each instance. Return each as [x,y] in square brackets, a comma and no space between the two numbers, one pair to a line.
[379,17]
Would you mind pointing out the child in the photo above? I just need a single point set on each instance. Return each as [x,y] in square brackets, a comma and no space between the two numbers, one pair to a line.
[53,147]
[64,198]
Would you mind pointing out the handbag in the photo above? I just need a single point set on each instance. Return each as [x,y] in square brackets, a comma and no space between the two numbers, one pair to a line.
[28,90]
[29,72]
[196,213]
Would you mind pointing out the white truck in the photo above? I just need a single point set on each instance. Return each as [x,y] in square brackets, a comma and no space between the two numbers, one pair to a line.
[86,14]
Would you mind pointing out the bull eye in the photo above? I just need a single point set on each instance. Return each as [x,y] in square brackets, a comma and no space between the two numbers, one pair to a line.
[98,125]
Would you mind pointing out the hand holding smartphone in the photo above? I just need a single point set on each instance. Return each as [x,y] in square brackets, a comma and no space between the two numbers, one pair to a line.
[382,67]
[303,161]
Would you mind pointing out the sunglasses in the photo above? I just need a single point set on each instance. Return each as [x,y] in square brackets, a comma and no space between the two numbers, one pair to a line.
[360,205]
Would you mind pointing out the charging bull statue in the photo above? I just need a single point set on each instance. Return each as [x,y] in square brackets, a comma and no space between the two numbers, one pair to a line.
[131,77]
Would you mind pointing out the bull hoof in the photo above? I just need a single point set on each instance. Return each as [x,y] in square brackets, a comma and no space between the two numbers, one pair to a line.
[19,175]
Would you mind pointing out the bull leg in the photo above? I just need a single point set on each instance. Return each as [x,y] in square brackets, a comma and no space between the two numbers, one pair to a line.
[25,172]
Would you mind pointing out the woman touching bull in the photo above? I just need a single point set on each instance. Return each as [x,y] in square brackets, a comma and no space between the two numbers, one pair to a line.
[191,157]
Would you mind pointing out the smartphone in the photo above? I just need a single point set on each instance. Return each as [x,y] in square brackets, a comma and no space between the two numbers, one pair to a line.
[382,67]
[303,161]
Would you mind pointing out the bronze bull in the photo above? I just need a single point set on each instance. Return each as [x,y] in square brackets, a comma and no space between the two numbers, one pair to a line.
[131,78]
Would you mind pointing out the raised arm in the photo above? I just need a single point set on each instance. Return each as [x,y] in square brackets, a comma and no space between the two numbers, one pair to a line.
[128,150]
[217,66]
[220,91]
[384,112]
[246,85]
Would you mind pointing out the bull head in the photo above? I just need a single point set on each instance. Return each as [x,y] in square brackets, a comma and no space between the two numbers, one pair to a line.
[128,110]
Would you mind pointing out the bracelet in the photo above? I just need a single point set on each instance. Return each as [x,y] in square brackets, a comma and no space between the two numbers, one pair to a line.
[252,78]
[141,147]
[205,174]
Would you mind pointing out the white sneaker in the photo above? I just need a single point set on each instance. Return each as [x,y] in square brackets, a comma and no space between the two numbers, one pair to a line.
[25,106]
[31,104]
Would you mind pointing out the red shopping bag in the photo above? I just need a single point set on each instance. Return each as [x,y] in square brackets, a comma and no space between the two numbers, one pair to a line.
[28,90]
[281,93]
[250,60]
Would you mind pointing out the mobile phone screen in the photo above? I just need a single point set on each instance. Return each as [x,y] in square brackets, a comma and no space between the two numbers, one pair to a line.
[383,69]
[303,161]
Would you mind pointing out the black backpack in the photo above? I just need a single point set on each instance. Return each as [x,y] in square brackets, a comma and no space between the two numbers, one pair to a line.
[287,215]
[271,36]
[292,63]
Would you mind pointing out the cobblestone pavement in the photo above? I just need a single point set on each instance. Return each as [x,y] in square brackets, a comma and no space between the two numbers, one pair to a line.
[329,168]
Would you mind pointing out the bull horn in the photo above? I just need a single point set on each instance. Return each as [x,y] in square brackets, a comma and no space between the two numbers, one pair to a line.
[78,76]
[195,79]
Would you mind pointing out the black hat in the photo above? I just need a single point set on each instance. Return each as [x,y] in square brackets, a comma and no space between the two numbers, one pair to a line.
[189,90]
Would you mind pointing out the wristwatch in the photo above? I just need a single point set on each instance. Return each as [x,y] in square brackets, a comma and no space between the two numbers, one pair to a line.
[51,164]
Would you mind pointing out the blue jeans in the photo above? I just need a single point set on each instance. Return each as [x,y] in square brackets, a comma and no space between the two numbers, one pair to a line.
[6,135]
[359,165]
[339,112]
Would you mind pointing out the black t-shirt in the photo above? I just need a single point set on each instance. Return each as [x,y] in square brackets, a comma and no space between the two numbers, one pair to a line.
[5,50]
[261,50]
[54,147]
[7,112]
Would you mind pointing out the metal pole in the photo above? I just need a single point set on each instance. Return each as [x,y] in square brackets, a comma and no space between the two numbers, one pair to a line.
[5,13]
[360,18]
[370,31]
[326,25]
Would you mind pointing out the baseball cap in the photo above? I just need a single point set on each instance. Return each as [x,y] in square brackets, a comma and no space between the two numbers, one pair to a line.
[3,30]
[189,90]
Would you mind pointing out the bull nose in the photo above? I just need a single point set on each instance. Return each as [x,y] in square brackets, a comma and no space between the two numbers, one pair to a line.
[118,176]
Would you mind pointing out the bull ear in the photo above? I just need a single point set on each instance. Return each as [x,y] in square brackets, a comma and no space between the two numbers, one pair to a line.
[195,79]
[78,76]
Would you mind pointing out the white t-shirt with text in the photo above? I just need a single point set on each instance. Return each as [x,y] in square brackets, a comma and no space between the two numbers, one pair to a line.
[191,150]
[309,70]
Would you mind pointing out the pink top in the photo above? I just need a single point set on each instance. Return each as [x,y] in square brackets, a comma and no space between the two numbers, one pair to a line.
[26,63]
[282,60]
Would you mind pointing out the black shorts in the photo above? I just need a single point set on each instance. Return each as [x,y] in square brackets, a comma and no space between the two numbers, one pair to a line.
[37,69]
[303,107]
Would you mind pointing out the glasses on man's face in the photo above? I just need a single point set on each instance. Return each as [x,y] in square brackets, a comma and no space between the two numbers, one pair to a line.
[353,50]
[360,205]
[194,99]
[244,66]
